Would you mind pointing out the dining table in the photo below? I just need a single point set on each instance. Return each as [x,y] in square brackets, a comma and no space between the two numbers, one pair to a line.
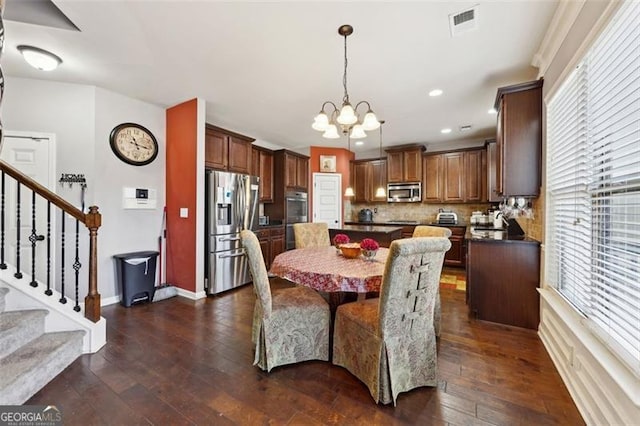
[326,269]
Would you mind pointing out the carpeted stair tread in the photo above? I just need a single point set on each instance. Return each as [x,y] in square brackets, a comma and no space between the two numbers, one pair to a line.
[18,328]
[29,368]
[3,293]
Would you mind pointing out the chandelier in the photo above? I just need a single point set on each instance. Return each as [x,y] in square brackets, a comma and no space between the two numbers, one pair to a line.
[346,117]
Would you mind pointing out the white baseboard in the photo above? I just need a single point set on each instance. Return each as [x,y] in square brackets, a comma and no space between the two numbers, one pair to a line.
[190,294]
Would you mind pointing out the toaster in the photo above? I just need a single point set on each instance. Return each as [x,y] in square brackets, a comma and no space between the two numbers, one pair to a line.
[447,218]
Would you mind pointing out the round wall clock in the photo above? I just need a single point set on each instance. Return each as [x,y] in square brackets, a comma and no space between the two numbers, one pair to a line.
[133,144]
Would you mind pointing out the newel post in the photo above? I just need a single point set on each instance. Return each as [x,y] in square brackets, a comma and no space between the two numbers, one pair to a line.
[93,220]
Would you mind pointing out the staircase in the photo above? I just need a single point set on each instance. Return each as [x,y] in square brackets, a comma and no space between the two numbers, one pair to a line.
[29,357]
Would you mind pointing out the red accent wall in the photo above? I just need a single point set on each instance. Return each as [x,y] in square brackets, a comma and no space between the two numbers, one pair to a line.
[181,133]
[343,157]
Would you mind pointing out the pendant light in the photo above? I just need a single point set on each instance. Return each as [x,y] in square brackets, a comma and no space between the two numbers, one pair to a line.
[380,192]
[349,191]
[346,118]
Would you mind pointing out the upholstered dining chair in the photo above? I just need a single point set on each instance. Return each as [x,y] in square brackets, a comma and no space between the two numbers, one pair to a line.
[311,234]
[289,325]
[433,231]
[389,343]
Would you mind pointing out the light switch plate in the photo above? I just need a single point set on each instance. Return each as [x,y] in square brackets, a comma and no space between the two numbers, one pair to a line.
[184,212]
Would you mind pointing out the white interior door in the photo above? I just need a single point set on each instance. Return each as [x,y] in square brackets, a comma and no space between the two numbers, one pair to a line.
[327,199]
[34,155]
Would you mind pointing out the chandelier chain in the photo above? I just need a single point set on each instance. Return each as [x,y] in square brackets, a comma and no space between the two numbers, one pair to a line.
[345,98]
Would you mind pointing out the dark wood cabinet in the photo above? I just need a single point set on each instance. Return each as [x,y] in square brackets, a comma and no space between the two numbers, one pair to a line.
[504,291]
[272,243]
[226,150]
[404,163]
[456,256]
[367,176]
[290,174]
[296,171]
[475,172]
[492,158]
[432,173]
[262,166]
[519,139]
[454,177]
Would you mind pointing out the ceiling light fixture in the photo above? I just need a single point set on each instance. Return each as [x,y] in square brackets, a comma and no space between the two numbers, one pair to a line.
[39,58]
[492,111]
[349,191]
[435,92]
[380,192]
[347,117]
[447,130]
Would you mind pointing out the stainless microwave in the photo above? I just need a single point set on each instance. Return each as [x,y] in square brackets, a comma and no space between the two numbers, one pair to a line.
[404,192]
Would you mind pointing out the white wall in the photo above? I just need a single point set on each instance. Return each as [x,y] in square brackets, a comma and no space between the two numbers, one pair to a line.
[82,118]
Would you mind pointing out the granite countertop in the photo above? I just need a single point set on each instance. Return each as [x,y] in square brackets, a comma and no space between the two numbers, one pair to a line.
[406,223]
[370,228]
[271,225]
[496,236]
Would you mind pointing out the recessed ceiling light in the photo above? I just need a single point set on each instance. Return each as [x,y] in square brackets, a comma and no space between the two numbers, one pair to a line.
[359,143]
[447,130]
[435,92]
[39,58]
[492,111]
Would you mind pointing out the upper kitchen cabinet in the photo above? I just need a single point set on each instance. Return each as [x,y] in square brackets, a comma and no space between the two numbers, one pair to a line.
[454,177]
[262,166]
[295,167]
[492,158]
[519,139]
[367,176]
[226,150]
[404,163]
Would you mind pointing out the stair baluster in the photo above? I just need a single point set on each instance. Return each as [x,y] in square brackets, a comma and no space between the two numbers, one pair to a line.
[48,291]
[3,265]
[77,265]
[63,299]
[18,273]
[33,238]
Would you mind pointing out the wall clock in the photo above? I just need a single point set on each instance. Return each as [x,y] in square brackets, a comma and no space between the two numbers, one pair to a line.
[133,144]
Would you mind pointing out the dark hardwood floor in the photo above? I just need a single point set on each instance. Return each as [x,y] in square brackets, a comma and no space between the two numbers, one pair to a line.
[183,362]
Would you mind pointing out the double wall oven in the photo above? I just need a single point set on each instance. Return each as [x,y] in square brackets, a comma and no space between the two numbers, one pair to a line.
[296,210]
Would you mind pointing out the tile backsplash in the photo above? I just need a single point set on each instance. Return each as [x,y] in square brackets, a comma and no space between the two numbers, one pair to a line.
[412,211]
[533,227]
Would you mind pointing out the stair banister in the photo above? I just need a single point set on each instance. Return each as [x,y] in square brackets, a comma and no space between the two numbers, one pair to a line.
[92,220]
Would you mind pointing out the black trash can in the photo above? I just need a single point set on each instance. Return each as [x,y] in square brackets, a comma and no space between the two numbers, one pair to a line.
[136,276]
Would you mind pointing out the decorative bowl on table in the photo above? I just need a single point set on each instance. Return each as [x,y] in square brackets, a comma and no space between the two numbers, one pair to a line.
[350,250]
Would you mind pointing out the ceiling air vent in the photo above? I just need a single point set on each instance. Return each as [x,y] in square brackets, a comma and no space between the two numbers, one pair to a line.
[464,21]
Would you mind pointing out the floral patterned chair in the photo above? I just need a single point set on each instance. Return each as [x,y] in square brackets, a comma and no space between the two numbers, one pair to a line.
[311,234]
[389,343]
[289,325]
[433,231]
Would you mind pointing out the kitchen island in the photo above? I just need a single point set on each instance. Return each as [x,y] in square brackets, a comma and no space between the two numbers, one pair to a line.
[503,276]
[382,234]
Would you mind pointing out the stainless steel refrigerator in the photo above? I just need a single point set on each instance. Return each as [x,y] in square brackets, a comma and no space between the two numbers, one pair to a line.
[231,206]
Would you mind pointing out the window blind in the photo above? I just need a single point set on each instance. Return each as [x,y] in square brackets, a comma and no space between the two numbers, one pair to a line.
[593,186]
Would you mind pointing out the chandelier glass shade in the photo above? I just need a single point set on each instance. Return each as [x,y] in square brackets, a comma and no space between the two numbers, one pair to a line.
[346,119]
